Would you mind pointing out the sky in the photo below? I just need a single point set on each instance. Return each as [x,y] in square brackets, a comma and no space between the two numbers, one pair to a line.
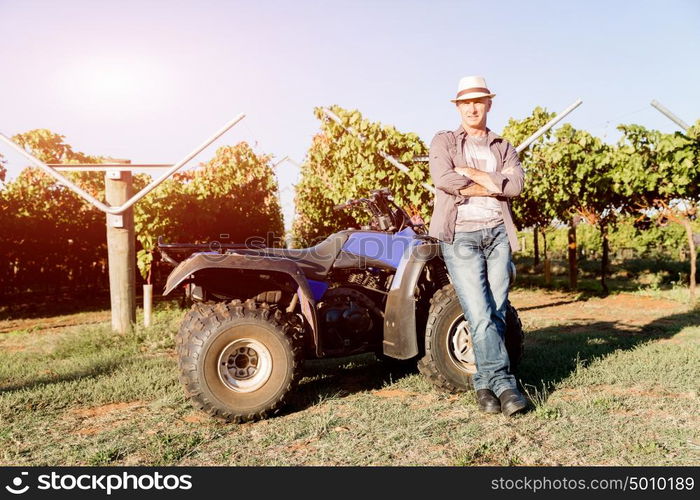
[151,80]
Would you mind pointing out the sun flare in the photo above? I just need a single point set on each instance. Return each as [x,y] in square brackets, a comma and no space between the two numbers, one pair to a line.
[111,82]
[113,86]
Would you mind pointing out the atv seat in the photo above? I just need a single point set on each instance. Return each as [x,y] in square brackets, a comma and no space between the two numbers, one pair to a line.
[314,261]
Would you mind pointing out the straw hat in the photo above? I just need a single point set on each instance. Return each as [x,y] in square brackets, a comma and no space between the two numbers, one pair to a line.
[472,87]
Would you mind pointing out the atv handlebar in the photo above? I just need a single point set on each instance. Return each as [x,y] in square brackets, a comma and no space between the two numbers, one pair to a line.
[379,206]
[351,203]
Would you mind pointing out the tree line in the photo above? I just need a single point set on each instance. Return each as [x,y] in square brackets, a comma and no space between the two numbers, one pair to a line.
[51,240]
[571,176]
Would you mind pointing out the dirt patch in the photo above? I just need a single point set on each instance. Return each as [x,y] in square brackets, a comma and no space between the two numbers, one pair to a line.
[13,347]
[530,300]
[639,302]
[458,412]
[196,417]
[568,394]
[414,399]
[304,446]
[653,393]
[101,418]
[394,393]
[101,411]
[672,340]
[623,311]
[644,413]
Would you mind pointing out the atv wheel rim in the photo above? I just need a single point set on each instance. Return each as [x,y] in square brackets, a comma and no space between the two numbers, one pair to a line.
[245,365]
[459,345]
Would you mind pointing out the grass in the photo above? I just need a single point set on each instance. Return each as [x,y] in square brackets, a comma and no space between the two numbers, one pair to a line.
[612,380]
[665,278]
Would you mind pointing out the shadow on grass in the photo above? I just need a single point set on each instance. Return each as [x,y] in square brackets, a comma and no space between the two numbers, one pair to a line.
[553,353]
[334,378]
[93,371]
[36,305]
[553,304]
[31,306]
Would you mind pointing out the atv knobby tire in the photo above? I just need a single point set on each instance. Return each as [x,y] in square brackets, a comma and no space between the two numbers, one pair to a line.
[238,361]
[446,362]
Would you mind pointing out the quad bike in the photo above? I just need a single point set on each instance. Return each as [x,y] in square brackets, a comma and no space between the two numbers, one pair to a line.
[258,313]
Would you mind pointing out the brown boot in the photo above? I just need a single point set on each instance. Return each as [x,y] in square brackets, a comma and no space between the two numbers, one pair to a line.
[488,402]
[512,402]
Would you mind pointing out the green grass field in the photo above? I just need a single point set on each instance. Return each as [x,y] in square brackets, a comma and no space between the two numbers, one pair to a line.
[613,381]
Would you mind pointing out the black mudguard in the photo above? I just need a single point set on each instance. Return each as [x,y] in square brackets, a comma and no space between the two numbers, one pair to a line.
[400,336]
[199,261]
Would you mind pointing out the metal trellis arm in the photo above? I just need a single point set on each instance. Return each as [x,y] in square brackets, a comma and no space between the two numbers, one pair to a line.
[670,115]
[526,143]
[150,187]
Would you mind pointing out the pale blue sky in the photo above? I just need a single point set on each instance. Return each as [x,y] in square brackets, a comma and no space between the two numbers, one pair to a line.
[149,80]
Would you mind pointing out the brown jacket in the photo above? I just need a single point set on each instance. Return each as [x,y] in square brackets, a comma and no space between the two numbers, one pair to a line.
[446,154]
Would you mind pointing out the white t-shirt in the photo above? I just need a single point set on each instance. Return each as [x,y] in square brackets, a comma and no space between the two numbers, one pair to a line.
[479,212]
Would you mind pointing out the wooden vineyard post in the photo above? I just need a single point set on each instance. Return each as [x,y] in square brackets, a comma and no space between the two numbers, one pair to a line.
[119,197]
[547,271]
[572,250]
[121,251]
[147,305]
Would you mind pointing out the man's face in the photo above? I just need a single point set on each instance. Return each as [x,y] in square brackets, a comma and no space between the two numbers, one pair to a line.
[473,111]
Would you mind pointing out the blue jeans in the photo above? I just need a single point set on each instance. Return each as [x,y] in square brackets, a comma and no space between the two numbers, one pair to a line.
[478,263]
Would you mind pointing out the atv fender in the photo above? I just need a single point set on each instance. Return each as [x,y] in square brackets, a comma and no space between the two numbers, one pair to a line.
[400,336]
[189,267]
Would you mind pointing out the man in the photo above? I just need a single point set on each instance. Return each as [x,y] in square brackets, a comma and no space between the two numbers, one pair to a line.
[476,172]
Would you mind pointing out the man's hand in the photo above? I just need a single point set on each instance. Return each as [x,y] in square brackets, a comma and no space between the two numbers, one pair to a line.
[481,178]
[476,190]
